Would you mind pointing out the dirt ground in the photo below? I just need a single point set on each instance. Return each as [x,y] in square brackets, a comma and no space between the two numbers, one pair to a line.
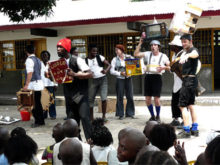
[194,146]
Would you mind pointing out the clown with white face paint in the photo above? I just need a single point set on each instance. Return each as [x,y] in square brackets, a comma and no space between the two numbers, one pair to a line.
[156,63]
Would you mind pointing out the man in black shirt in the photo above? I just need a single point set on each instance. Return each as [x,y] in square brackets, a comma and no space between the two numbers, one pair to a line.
[189,61]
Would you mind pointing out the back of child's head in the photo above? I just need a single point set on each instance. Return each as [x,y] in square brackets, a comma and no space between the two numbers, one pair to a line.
[212,152]
[58,133]
[201,159]
[163,136]
[148,127]
[18,131]
[154,158]
[4,137]
[71,152]
[101,136]
[20,148]
[71,128]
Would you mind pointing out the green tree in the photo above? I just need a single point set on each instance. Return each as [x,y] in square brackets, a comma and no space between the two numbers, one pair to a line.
[20,10]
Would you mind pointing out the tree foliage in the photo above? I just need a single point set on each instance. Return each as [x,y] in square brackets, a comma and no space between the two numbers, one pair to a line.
[20,10]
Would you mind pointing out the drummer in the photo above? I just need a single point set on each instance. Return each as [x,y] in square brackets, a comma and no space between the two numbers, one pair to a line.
[156,63]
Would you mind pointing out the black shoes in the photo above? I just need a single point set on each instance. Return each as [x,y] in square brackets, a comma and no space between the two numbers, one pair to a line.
[194,133]
[34,125]
[120,118]
[184,135]
[157,118]
[175,123]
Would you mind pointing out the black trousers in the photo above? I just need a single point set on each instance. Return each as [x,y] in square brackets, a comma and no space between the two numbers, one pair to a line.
[176,112]
[38,110]
[80,112]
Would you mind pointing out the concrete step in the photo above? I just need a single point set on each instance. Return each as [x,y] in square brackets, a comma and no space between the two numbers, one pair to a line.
[139,100]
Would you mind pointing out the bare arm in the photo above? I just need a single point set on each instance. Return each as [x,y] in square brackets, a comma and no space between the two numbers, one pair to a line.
[28,80]
[81,75]
[104,71]
[137,52]
[92,158]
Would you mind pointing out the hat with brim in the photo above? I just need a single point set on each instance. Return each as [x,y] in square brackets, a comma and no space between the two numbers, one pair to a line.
[176,41]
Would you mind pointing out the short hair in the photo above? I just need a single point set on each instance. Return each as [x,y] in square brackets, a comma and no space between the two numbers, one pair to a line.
[155,157]
[30,49]
[4,137]
[18,131]
[163,136]
[101,136]
[91,46]
[212,152]
[72,50]
[44,52]
[20,148]
[186,36]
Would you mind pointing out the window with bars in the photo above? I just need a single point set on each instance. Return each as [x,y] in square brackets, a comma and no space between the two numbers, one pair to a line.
[80,44]
[106,43]
[202,41]
[12,53]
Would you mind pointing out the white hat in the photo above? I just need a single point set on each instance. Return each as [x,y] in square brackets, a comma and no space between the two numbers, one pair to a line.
[176,41]
[156,42]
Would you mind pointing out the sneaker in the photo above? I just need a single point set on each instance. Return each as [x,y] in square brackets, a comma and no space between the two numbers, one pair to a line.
[175,123]
[158,119]
[194,133]
[183,135]
[152,118]
[180,126]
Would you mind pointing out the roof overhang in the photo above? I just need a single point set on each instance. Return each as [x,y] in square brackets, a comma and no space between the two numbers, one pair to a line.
[97,21]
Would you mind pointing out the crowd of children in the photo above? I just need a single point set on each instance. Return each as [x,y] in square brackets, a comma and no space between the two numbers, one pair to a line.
[136,147]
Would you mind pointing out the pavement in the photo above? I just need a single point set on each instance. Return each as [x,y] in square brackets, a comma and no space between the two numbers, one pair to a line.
[208,119]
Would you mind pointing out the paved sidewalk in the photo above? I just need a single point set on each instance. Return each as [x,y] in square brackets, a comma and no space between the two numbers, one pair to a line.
[208,118]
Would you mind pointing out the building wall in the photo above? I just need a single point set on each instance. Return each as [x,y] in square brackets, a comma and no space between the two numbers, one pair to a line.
[9,86]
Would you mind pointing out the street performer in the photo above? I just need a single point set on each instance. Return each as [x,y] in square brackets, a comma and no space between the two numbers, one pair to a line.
[189,59]
[156,63]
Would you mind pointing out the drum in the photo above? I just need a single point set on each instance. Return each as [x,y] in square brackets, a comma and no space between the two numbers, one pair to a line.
[46,99]
[25,100]
[152,68]
[176,67]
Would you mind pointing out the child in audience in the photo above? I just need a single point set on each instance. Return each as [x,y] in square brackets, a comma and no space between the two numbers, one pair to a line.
[4,137]
[58,136]
[131,141]
[163,136]
[155,158]
[101,137]
[70,152]
[20,149]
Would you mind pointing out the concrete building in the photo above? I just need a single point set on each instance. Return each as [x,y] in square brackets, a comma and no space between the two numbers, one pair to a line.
[104,22]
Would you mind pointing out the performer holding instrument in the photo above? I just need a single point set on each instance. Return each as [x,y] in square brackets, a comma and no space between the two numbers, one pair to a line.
[156,63]
[33,82]
[176,47]
[123,83]
[189,59]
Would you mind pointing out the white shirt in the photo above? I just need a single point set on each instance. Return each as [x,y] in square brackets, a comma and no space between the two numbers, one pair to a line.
[33,85]
[155,60]
[177,84]
[95,68]
[80,63]
[105,154]
[113,64]
[85,149]
[47,82]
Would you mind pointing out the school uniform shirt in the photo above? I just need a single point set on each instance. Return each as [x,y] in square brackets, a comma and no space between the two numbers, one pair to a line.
[47,82]
[113,65]
[177,84]
[95,68]
[155,61]
[33,85]
[105,154]
[85,149]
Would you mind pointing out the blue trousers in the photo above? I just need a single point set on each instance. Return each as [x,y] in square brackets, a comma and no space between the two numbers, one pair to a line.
[52,108]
